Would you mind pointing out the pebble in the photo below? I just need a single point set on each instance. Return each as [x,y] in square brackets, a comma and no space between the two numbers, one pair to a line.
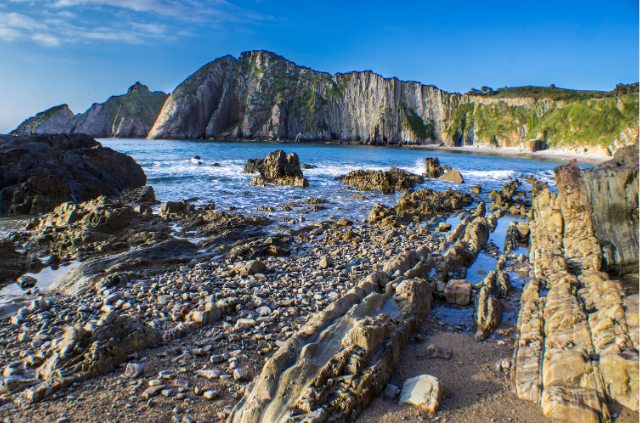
[211,394]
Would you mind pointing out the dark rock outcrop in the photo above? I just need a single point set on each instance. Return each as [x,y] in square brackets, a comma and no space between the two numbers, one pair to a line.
[39,172]
[386,182]
[612,190]
[126,116]
[277,168]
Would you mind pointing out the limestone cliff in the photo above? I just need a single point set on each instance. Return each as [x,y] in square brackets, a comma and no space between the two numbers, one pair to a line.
[126,116]
[261,95]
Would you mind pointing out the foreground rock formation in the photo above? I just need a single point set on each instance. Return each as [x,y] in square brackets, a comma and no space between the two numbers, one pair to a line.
[40,172]
[577,349]
[126,116]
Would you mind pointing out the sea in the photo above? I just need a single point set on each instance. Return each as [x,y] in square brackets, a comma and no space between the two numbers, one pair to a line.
[208,172]
[212,171]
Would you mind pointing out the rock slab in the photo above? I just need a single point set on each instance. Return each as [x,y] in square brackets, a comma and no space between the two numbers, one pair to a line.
[423,391]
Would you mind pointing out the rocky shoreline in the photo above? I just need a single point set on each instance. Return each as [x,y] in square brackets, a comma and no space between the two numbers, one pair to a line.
[195,314]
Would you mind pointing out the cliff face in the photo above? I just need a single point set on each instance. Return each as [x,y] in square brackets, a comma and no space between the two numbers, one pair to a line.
[263,96]
[127,116]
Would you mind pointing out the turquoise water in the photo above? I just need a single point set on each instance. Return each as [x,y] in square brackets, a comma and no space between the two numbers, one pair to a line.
[175,174]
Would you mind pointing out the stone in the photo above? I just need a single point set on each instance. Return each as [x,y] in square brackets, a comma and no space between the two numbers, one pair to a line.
[133,370]
[209,373]
[152,391]
[240,375]
[326,262]
[444,227]
[433,351]
[27,282]
[458,292]
[423,391]
[452,176]
[211,394]
[391,391]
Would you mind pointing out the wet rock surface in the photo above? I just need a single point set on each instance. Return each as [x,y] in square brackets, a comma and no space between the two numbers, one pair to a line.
[222,318]
[40,172]
[277,168]
[387,182]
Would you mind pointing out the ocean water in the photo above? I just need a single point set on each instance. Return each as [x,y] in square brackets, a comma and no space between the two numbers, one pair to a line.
[175,174]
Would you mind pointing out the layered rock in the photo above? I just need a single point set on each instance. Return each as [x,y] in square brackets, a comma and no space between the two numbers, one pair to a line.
[39,172]
[263,96]
[335,365]
[387,182]
[277,168]
[575,351]
[126,116]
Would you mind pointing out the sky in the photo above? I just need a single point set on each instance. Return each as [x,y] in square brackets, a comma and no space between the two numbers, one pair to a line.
[80,52]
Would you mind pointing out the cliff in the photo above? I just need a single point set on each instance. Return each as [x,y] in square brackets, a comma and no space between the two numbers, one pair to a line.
[261,95]
[126,116]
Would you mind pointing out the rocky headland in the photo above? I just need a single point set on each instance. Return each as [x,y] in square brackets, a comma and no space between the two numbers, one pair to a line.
[188,313]
[263,96]
[125,116]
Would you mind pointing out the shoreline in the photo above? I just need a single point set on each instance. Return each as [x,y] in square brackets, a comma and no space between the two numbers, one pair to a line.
[509,152]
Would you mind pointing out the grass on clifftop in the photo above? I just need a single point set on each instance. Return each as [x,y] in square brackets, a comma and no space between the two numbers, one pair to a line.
[589,123]
[538,93]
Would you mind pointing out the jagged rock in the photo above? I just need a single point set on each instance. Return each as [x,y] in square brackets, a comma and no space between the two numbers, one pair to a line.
[133,370]
[250,268]
[387,182]
[325,262]
[176,209]
[433,169]
[142,195]
[425,203]
[26,282]
[452,176]
[277,168]
[458,292]
[423,391]
[70,167]
[612,192]
[332,356]
[261,95]
[127,116]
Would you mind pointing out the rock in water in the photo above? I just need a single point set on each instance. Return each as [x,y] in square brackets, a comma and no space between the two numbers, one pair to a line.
[277,168]
[452,176]
[72,167]
[387,182]
[458,292]
[433,169]
[423,391]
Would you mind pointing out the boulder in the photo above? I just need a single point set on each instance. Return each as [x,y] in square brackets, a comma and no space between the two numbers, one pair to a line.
[277,168]
[452,176]
[423,391]
[40,172]
[458,292]
[433,169]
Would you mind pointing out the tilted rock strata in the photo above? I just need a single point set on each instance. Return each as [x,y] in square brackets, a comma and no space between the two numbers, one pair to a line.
[127,116]
[334,366]
[40,172]
[261,95]
[575,351]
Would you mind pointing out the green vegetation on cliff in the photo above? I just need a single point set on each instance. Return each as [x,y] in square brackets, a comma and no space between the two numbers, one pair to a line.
[589,122]
[414,123]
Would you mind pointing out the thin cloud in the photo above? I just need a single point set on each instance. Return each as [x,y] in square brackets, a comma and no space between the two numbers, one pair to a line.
[52,22]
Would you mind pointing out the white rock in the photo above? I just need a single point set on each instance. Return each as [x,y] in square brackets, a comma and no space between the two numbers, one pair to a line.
[263,311]
[422,391]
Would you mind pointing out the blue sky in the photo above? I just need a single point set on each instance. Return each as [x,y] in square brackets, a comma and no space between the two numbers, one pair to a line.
[83,51]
